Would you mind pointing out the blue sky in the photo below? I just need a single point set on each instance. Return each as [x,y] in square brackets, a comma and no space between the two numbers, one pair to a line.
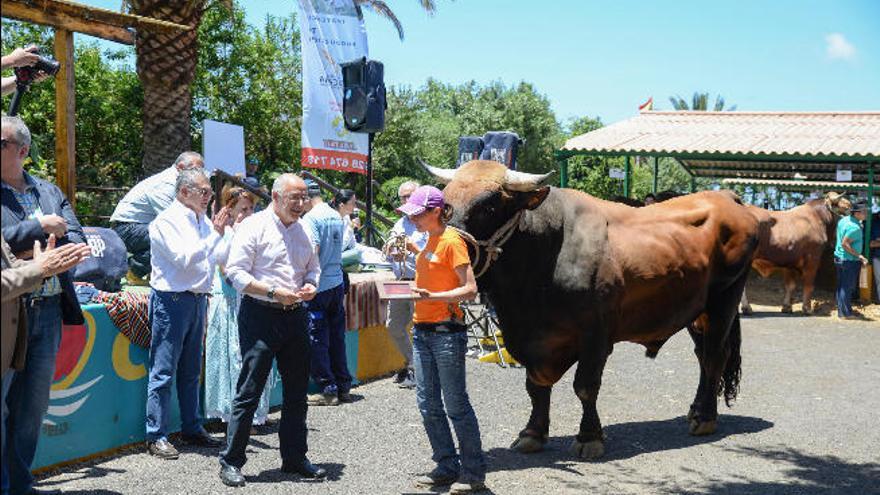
[602,58]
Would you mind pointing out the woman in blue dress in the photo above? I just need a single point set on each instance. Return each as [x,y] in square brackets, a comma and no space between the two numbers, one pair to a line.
[222,351]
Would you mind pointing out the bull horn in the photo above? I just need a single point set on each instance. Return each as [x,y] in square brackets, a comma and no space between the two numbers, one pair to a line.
[523,182]
[443,175]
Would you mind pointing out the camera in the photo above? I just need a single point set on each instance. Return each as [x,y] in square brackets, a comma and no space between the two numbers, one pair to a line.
[26,75]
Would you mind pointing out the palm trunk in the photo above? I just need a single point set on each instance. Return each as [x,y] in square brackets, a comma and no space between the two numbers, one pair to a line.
[166,64]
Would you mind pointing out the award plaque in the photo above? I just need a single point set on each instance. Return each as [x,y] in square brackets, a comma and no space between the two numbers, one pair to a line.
[395,289]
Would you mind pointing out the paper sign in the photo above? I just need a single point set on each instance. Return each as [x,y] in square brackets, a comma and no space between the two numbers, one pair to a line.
[616,173]
[223,147]
[844,174]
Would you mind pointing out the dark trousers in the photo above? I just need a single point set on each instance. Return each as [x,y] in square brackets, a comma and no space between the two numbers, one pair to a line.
[327,331]
[136,237]
[847,282]
[266,334]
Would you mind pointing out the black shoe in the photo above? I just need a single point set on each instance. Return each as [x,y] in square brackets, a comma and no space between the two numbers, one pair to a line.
[345,397]
[305,469]
[201,440]
[401,375]
[162,449]
[231,476]
[37,491]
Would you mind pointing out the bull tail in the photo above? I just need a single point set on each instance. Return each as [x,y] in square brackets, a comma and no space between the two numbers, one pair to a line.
[732,373]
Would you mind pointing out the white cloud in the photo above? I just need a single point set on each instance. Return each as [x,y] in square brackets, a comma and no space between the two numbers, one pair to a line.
[837,47]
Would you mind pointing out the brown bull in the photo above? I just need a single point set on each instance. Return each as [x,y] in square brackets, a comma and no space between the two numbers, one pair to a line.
[792,241]
[570,275]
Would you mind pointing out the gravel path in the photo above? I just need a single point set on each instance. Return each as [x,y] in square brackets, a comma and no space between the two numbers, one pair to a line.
[805,423]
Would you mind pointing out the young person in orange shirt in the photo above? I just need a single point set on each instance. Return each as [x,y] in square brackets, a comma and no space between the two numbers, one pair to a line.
[443,278]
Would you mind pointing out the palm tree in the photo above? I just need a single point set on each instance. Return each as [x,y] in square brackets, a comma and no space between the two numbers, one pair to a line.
[699,102]
[166,64]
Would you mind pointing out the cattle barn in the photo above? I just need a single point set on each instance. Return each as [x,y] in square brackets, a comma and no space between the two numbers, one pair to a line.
[788,150]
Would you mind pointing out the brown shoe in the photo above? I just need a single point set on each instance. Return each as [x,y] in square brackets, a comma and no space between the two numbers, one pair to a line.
[162,449]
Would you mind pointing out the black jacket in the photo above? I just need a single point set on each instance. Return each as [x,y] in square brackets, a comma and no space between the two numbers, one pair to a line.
[20,233]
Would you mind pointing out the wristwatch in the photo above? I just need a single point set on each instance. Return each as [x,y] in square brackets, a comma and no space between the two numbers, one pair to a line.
[271,293]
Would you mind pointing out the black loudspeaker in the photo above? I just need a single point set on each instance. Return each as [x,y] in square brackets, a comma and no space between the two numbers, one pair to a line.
[363,95]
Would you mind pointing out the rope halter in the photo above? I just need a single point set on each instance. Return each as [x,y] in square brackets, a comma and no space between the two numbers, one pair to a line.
[492,244]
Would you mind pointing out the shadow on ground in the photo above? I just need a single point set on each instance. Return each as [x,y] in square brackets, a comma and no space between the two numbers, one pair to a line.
[805,474]
[624,441]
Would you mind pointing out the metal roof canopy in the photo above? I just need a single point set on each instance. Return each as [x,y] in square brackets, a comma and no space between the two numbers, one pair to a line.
[800,185]
[770,146]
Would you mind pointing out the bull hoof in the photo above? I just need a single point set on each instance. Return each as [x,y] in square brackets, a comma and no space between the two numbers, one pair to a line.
[588,451]
[786,309]
[527,445]
[700,428]
[808,310]
[746,310]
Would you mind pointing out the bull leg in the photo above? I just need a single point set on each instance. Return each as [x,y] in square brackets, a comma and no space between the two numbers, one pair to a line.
[534,436]
[790,286]
[745,307]
[809,280]
[717,347]
[590,441]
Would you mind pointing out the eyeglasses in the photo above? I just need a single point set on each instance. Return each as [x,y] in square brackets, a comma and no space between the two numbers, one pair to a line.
[204,192]
[404,197]
[7,142]
[302,198]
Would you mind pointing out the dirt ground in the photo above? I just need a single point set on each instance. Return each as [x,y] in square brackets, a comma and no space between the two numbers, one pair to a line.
[765,296]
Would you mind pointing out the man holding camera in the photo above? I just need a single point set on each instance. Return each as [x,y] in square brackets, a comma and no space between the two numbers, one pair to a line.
[20,57]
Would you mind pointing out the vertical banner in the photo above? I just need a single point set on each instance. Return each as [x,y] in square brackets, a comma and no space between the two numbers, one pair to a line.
[332,32]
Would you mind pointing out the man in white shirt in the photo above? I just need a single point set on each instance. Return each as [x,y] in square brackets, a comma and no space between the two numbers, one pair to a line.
[142,204]
[273,263]
[403,263]
[185,248]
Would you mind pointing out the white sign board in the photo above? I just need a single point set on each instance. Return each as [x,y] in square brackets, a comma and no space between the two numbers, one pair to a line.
[223,147]
[616,173]
[844,174]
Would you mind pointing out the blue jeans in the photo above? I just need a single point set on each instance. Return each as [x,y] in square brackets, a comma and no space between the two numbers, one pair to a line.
[177,320]
[440,370]
[136,237]
[329,367]
[847,280]
[27,398]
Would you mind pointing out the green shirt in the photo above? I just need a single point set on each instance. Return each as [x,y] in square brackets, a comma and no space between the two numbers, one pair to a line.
[851,228]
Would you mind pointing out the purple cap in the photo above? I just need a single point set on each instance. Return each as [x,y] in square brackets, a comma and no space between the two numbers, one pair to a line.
[421,199]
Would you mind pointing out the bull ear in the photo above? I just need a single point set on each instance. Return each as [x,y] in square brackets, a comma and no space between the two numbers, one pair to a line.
[533,199]
[442,175]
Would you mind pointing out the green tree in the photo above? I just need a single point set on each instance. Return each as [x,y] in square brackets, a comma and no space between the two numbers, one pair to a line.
[251,77]
[699,102]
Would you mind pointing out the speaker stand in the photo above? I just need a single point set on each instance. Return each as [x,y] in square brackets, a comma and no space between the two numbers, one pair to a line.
[370,233]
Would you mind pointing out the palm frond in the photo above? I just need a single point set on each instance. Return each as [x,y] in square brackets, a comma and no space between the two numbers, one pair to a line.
[429,6]
[678,103]
[383,10]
